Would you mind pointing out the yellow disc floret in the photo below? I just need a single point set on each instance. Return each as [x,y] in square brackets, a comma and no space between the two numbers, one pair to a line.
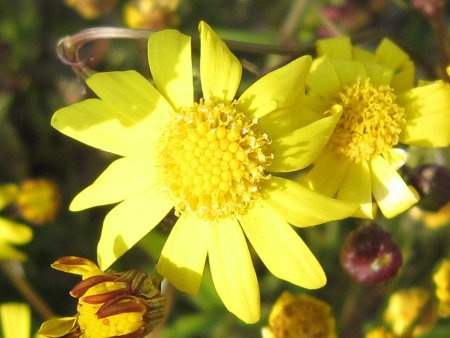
[214,159]
[116,325]
[371,121]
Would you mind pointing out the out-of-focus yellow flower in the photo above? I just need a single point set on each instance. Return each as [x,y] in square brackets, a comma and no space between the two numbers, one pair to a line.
[408,307]
[300,317]
[110,304]
[151,14]
[38,200]
[216,160]
[379,332]
[91,9]
[11,232]
[381,109]
[442,280]
[438,218]
[15,320]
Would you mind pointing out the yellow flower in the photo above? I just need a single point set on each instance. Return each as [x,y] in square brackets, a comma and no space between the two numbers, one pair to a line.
[150,14]
[408,307]
[214,160]
[110,304]
[91,9]
[15,320]
[300,317]
[381,109]
[38,200]
[11,232]
[442,280]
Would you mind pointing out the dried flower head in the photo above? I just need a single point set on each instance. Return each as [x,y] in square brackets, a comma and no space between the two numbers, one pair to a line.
[110,304]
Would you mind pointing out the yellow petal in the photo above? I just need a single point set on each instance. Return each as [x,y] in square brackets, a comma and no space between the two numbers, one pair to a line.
[99,125]
[303,207]
[390,55]
[184,254]
[378,75]
[123,178]
[357,187]
[323,78]
[169,57]
[300,148]
[58,327]
[16,320]
[220,70]
[403,79]
[390,191]
[280,248]
[232,270]
[320,179]
[13,232]
[7,252]
[128,222]
[77,265]
[363,55]
[396,157]
[8,193]
[340,47]
[349,71]
[281,89]
[427,115]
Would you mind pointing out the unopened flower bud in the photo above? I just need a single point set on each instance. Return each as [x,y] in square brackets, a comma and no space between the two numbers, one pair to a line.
[369,255]
[433,184]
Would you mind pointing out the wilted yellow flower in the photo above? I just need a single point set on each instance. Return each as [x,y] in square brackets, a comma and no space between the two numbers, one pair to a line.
[151,14]
[381,109]
[15,319]
[300,317]
[91,9]
[408,307]
[215,160]
[38,200]
[442,280]
[11,232]
[110,304]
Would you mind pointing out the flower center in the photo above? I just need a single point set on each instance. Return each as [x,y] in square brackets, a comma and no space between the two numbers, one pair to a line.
[213,160]
[371,121]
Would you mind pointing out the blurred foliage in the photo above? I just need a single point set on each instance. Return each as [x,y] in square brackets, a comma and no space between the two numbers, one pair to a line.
[34,83]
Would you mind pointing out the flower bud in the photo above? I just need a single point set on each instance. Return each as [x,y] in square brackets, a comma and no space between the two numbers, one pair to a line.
[369,255]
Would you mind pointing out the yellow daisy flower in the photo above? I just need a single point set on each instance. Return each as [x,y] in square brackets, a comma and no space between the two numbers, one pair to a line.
[213,160]
[381,108]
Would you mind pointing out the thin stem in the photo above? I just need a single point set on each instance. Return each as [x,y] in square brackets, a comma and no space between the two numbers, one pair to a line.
[15,273]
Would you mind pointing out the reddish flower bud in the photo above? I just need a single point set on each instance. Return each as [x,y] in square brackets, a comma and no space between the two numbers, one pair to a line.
[370,256]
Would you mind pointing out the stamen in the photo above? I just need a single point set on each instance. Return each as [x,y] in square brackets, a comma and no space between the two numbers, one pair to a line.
[214,160]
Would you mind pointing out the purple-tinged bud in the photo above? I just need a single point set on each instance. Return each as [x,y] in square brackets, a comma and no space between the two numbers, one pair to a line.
[369,255]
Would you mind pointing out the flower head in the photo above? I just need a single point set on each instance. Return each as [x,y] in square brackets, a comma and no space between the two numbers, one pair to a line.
[302,316]
[150,14]
[381,109]
[38,200]
[110,304]
[408,312]
[213,159]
